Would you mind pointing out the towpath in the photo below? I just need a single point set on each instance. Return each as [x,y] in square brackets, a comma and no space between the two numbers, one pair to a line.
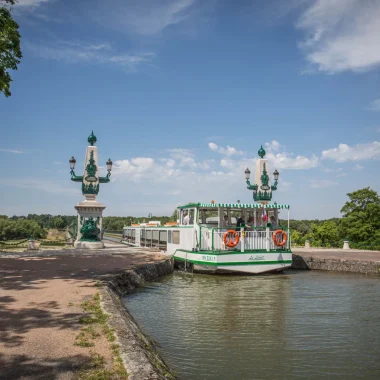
[40,297]
[352,260]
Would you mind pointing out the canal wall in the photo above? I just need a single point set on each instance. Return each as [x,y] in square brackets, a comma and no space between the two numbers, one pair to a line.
[138,352]
[355,261]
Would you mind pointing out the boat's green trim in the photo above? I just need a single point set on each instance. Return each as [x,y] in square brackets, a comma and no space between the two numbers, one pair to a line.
[234,263]
[224,253]
[156,228]
[233,205]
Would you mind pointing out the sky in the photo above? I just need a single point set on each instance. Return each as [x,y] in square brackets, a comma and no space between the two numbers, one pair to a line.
[181,94]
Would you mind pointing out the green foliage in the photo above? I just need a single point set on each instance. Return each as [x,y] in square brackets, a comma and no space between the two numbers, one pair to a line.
[361,217]
[18,229]
[49,221]
[360,224]
[325,235]
[10,50]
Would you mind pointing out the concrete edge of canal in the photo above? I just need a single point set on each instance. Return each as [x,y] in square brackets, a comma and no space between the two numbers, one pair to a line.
[140,356]
[319,262]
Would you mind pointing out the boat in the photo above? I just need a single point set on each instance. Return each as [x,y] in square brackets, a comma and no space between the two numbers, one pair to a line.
[204,245]
[225,237]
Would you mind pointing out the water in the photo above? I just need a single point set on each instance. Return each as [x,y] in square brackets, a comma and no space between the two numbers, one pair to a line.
[298,325]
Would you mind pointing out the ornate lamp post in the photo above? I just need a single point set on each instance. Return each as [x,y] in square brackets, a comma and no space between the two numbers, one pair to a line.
[262,190]
[90,211]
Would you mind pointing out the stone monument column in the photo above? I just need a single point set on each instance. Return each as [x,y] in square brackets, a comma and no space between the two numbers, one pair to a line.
[90,219]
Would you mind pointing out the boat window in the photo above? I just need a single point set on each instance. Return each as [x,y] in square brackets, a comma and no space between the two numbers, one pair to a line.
[187,217]
[176,237]
[163,240]
[155,234]
[170,237]
[142,238]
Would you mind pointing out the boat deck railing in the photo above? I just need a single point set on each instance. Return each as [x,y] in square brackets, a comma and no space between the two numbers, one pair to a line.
[258,239]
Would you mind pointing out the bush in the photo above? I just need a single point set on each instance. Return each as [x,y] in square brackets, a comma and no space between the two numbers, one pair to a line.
[20,229]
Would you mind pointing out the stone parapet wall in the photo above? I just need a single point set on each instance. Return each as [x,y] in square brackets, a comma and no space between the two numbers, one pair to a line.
[138,352]
[305,261]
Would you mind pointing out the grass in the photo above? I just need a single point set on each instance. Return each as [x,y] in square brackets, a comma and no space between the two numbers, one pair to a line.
[95,326]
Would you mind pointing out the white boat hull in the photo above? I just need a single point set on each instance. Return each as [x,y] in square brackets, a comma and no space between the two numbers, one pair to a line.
[250,262]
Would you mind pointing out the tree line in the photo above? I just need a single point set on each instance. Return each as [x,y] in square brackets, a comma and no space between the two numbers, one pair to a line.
[20,227]
[360,224]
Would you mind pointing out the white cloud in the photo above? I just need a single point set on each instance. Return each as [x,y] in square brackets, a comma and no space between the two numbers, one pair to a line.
[286,160]
[374,106]
[358,152]
[30,3]
[134,168]
[184,157]
[181,173]
[358,167]
[146,17]
[227,163]
[341,35]
[273,146]
[280,159]
[322,183]
[11,151]
[76,52]
[341,175]
[226,151]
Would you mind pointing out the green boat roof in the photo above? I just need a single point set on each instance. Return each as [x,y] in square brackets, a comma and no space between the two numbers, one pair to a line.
[234,205]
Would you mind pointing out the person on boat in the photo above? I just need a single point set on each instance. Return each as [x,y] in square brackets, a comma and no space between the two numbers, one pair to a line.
[239,223]
[186,218]
[274,225]
[251,223]
[225,221]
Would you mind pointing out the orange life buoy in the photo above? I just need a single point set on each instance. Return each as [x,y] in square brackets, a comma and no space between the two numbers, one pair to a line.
[276,239]
[231,242]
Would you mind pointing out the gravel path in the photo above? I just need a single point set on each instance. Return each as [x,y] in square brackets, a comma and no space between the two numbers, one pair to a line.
[40,294]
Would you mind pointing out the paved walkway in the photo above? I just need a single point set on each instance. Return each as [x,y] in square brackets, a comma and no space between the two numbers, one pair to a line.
[344,254]
[40,294]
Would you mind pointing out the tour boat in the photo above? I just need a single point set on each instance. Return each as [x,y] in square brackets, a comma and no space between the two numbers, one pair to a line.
[225,237]
[201,242]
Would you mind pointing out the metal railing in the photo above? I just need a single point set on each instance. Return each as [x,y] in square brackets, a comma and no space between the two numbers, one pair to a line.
[260,239]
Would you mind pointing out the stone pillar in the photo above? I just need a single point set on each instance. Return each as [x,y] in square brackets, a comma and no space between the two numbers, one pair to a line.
[346,244]
[307,244]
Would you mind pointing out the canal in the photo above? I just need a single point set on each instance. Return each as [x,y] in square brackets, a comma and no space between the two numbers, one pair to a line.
[296,325]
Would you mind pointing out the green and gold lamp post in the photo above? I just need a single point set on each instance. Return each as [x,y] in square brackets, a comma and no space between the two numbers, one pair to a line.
[262,189]
[90,211]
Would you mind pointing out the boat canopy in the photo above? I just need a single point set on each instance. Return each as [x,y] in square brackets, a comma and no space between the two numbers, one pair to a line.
[234,205]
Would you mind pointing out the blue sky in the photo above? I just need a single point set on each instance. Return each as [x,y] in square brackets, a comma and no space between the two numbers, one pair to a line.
[182,93]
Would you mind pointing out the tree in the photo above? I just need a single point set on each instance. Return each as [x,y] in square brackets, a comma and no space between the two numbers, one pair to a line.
[174,216]
[324,235]
[10,50]
[361,217]
[58,222]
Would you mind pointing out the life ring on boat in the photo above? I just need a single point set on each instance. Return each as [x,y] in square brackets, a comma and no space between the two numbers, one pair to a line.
[231,242]
[276,239]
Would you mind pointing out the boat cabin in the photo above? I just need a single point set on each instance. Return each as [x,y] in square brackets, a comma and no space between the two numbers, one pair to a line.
[203,227]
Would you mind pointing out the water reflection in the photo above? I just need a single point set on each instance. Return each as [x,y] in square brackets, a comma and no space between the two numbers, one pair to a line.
[295,325]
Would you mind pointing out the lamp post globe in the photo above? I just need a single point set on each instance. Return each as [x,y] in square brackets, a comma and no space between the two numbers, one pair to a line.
[247,173]
[109,165]
[275,175]
[72,162]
